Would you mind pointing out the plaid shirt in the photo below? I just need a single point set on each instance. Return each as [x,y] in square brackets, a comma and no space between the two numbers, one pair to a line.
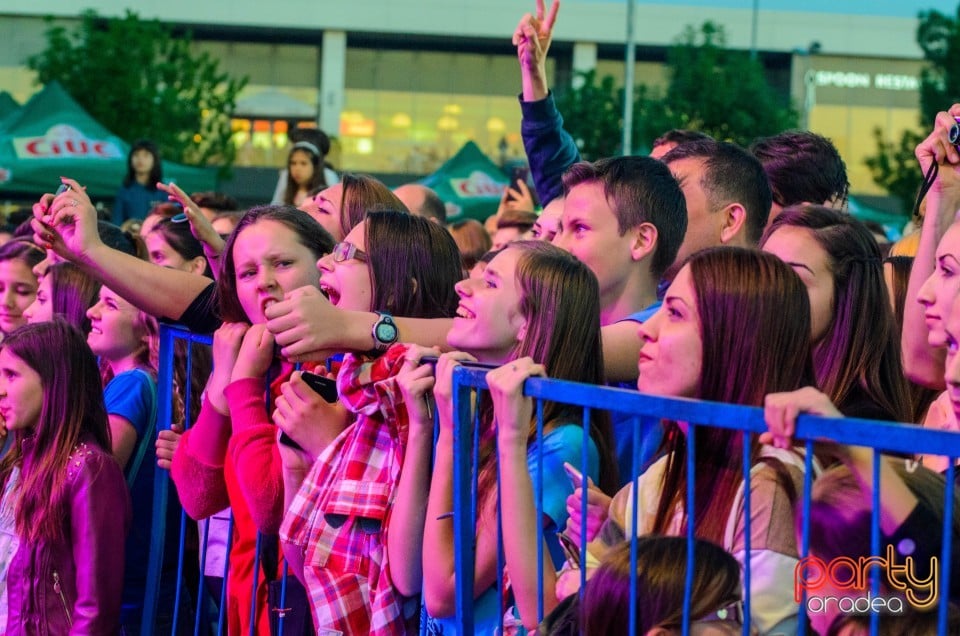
[341,513]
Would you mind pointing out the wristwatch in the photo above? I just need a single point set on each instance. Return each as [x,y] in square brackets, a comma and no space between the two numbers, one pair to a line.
[384,333]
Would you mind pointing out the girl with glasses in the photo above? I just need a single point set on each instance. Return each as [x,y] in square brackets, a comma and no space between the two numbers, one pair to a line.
[342,485]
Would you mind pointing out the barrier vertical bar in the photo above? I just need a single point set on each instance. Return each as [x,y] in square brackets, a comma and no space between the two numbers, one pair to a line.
[947,546]
[747,456]
[638,426]
[875,538]
[538,501]
[462,527]
[226,573]
[158,529]
[200,590]
[691,522]
[501,558]
[805,530]
[256,576]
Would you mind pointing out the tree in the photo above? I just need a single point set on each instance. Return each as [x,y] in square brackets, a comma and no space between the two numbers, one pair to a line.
[139,81]
[894,167]
[721,92]
[713,89]
[593,115]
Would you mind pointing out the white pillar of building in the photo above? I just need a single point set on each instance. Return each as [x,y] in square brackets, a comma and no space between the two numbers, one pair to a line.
[333,71]
[584,59]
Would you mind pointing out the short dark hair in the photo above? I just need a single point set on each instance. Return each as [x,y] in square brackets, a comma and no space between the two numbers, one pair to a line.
[113,236]
[519,219]
[433,207]
[802,167]
[640,190]
[679,136]
[731,175]
[215,201]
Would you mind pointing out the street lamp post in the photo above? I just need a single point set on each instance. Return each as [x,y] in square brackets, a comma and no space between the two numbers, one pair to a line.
[628,79]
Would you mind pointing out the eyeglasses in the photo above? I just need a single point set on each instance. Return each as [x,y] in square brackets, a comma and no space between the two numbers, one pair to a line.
[732,613]
[346,251]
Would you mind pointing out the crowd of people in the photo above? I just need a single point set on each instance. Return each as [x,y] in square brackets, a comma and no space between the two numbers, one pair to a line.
[316,435]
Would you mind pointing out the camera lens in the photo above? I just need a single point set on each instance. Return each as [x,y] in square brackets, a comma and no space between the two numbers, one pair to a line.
[954,135]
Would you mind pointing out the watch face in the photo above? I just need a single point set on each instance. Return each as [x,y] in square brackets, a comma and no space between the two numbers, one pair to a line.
[386,332]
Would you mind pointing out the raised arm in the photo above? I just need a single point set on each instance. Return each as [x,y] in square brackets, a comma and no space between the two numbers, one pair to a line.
[405,528]
[514,414]
[439,574]
[67,224]
[781,411]
[922,362]
[550,149]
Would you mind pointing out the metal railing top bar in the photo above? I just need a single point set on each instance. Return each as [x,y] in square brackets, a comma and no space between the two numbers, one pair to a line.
[182,333]
[884,436]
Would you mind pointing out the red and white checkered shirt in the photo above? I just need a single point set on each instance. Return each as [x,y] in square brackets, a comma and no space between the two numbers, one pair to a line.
[341,513]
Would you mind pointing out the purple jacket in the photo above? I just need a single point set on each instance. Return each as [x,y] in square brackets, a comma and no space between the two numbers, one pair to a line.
[74,586]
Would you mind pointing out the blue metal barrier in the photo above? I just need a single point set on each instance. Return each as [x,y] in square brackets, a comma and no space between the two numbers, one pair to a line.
[168,335]
[882,436]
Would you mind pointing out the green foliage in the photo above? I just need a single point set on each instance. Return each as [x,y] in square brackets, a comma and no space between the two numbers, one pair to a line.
[894,167]
[593,115]
[718,91]
[713,89]
[139,81]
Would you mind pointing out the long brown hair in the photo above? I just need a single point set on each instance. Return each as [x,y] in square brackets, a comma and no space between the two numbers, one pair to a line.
[861,346]
[362,194]
[414,266]
[560,301]
[72,409]
[755,327]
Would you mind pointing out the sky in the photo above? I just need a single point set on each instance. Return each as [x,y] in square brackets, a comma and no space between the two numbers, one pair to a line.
[892,8]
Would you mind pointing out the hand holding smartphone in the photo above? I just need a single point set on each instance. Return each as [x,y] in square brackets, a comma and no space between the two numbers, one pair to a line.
[575,476]
[325,388]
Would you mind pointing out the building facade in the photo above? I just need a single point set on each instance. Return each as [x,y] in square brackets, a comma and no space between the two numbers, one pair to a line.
[402,84]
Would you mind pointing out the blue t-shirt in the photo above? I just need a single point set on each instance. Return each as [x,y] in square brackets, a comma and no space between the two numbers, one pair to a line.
[562,444]
[134,201]
[651,431]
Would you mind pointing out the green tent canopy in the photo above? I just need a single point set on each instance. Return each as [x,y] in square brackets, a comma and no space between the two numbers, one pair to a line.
[52,136]
[469,183]
[8,104]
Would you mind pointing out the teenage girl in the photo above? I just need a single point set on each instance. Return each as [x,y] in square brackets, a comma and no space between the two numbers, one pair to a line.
[398,264]
[126,341]
[222,461]
[73,509]
[64,290]
[18,284]
[304,172]
[139,191]
[536,311]
[721,335]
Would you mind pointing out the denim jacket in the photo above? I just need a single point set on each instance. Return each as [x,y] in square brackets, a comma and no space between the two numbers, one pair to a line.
[73,586]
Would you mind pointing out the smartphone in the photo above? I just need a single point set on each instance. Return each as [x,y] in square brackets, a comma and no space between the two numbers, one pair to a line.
[286,440]
[324,387]
[518,173]
[575,476]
